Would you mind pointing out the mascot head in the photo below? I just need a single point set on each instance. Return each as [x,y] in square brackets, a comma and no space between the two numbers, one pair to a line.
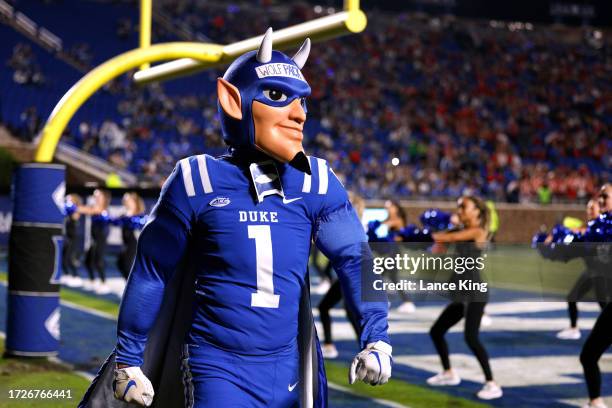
[262,103]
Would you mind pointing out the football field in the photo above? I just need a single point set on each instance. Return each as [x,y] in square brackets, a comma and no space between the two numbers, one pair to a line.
[534,367]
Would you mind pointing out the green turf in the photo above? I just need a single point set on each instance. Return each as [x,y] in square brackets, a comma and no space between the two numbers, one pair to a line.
[520,267]
[398,391]
[31,374]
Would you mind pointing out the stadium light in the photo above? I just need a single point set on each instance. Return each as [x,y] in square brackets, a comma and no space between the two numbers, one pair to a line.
[351,20]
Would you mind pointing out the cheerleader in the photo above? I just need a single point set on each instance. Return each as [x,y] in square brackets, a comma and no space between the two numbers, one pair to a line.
[472,237]
[70,250]
[131,223]
[587,280]
[395,222]
[600,338]
[94,259]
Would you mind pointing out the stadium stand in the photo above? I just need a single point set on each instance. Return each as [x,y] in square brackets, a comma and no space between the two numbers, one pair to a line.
[513,113]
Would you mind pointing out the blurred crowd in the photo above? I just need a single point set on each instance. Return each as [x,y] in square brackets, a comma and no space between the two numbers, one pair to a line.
[156,130]
[415,107]
[24,66]
[463,107]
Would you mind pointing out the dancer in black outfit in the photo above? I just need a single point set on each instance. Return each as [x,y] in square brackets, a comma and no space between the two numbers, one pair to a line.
[600,338]
[595,345]
[131,222]
[589,279]
[325,273]
[473,235]
[70,250]
[94,259]
[395,222]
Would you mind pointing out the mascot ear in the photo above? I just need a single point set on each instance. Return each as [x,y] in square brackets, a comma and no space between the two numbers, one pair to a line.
[229,99]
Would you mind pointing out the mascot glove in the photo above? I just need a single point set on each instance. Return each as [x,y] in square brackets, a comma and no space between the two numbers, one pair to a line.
[372,365]
[131,385]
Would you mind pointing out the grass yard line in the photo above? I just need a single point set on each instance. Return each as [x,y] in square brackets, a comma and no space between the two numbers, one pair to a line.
[88,302]
[376,400]
[88,309]
[397,392]
[85,303]
[88,376]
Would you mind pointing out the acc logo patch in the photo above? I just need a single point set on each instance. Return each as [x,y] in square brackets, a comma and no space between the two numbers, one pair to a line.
[219,202]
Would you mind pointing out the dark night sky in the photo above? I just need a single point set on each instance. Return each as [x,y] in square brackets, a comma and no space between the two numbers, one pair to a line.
[514,10]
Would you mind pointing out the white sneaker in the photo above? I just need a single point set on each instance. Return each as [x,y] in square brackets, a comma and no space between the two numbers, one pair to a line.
[490,391]
[571,333]
[64,279]
[329,351]
[406,307]
[599,404]
[322,287]
[71,281]
[89,284]
[486,320]
[102,289]
[77,282]
[444,379]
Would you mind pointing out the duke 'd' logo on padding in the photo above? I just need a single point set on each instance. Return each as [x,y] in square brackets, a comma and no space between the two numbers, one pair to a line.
[220,202]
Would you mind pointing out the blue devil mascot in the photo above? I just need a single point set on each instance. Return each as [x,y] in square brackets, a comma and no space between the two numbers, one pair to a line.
[216,311]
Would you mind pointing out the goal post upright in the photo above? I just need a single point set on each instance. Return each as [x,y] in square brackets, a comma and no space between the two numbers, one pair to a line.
[349,21]
[185,58]
[146,15]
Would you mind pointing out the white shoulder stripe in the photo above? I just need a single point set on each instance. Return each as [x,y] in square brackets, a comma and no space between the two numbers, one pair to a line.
[323,176]
[204,173]
[187,180]
[336,176]
[307,181]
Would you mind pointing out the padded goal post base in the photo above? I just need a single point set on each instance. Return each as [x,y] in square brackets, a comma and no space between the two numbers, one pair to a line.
[35,247]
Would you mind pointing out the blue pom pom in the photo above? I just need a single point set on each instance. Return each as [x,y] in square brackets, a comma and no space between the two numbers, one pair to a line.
[538,238]
[436,219]
[69,207]
[599,229]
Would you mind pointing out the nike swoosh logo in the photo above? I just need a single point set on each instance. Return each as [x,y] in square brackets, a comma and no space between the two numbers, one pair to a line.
[130,384]
[291,387]
[290,200]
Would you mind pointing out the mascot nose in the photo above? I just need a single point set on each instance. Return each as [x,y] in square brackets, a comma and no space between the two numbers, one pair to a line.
[297,113]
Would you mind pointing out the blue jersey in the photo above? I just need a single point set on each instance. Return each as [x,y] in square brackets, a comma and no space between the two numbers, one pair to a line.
[248,228]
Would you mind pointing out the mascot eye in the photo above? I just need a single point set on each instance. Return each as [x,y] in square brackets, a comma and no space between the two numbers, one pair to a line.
[275,95]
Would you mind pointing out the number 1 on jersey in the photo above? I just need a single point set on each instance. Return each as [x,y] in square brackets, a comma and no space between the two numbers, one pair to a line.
[264,297]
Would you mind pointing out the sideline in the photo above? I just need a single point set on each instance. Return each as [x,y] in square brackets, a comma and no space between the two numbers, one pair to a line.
[89,377]
[384,402]
[109,316]
[78,307]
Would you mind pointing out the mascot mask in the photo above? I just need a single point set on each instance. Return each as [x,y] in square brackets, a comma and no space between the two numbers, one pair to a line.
[262,103]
